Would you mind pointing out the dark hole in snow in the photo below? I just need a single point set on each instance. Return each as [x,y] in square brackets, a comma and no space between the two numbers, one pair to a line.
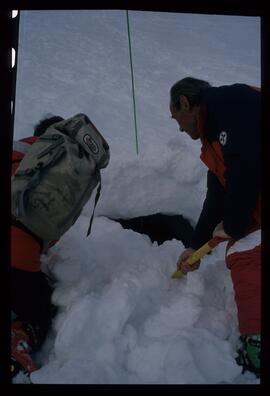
[160,227]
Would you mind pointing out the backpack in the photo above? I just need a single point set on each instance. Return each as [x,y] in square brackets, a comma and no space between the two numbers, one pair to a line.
[57,175]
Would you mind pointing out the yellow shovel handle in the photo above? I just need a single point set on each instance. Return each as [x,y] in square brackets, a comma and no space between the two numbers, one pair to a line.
[198,254]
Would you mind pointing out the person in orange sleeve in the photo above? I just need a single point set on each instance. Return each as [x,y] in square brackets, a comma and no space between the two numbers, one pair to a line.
[32,310]
[226,120]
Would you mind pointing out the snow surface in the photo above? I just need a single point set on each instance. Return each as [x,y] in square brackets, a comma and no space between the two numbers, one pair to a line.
[122,318]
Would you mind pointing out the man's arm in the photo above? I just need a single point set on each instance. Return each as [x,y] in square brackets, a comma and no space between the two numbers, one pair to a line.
[211,214]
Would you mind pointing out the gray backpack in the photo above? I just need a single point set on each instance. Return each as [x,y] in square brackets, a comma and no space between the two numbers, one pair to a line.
[57,175]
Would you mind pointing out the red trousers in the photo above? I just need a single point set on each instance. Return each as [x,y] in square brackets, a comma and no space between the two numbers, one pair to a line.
[243,258]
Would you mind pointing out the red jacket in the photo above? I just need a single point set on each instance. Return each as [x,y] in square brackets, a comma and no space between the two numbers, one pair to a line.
[229,125]
[25,248]
[212,156]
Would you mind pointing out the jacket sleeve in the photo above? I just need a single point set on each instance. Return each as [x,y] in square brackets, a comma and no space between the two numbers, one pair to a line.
[241,153]
[212,212]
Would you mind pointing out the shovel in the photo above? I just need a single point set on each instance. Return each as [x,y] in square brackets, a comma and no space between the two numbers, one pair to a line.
[198,254]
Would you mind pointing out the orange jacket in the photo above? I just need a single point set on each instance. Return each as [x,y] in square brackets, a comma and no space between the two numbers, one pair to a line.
[212,156]
[25,248]
[229,125]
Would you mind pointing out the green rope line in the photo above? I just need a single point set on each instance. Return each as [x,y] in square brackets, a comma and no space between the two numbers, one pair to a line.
[132,81]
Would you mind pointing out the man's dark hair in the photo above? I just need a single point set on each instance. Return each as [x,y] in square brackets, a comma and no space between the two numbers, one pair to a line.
[45,123]
[189,87]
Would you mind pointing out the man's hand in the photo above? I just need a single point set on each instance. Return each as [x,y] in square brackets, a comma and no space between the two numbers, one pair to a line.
[219,232]
[182,259]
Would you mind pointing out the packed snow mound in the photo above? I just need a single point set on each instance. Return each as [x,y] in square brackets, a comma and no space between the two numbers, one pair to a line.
[123,319]
[172,181]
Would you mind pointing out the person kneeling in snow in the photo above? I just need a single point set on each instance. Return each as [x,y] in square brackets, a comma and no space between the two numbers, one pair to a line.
[32,310]
[227,121]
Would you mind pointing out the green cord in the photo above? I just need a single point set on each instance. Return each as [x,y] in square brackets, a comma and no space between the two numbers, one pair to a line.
[132,81]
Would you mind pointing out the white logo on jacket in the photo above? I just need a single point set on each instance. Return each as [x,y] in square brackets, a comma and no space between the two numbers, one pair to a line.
[223,138]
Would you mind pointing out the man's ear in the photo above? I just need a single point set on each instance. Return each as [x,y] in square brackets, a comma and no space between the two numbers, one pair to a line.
[184,103]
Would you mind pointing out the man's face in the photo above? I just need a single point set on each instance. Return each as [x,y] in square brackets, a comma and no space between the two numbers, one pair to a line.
[186,117]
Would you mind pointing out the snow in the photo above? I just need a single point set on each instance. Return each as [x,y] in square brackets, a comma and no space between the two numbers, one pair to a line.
[122,318]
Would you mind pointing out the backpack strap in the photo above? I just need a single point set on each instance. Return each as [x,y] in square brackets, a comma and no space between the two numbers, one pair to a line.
[95,204]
